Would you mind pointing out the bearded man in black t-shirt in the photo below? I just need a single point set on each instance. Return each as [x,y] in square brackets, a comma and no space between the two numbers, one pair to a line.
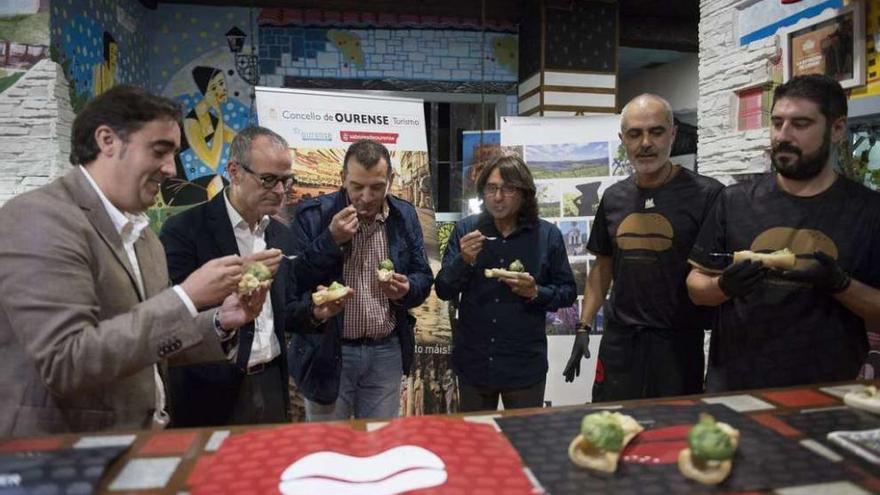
[806,324]
[642,234]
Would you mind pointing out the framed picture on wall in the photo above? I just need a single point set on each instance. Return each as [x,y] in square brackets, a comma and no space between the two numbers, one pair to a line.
[831,43]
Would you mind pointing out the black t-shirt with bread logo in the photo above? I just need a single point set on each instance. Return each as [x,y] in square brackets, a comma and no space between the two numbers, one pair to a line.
[649,234]
[785,332]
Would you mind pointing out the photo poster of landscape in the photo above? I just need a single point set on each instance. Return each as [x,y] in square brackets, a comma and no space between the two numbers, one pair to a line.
[573,160]
[319,127]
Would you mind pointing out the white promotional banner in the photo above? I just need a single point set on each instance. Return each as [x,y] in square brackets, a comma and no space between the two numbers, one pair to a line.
[573,161]
[319,127]
[321,119]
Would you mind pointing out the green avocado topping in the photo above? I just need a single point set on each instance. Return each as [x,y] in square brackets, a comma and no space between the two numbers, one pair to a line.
[603,431]
[709,442]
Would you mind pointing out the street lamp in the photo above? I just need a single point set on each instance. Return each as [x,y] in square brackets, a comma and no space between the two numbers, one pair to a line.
[246,64]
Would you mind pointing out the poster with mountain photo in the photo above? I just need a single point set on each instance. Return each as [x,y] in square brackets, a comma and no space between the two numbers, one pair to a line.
[567,160]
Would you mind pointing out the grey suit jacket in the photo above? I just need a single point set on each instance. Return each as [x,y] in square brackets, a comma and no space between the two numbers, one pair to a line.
[77,342]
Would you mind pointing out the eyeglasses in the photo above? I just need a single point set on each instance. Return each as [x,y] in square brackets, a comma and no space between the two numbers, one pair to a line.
[269,181]
[506,190]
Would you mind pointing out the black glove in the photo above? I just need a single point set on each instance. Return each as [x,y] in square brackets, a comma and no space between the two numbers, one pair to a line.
[825,274]
[581,348]
[739,279]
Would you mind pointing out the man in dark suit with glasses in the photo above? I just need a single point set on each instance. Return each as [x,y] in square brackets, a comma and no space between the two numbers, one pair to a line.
[251,385]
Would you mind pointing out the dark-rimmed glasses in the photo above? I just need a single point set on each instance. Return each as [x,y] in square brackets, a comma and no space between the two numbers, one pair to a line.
[506,190]
[269,181]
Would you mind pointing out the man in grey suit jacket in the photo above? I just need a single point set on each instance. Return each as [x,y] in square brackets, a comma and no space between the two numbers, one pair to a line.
[87,314]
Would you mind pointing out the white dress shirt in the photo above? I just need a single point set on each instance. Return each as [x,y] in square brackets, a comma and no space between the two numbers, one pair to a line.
[129,227]
[265,346]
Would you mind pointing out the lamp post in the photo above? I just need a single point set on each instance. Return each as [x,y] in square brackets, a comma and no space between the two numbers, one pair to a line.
[246,64]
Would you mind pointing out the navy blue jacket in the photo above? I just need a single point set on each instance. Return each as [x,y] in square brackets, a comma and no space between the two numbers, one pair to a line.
[315,357]
[500,341]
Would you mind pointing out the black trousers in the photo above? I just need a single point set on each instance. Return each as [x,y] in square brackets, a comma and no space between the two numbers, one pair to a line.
[643,362]
[486,399]
[261,397]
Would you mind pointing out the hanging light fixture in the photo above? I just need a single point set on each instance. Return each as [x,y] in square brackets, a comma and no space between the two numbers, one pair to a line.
[247,65]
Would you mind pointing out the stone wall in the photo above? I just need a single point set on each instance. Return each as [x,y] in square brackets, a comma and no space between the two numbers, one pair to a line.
[725,67]
[35,123]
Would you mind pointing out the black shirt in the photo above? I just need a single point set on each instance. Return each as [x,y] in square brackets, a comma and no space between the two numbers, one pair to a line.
[787,333]
[500,340]
[649,234]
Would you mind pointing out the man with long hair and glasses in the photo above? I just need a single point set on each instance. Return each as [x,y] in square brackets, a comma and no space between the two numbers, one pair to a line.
[500,345]
[775,327]
[250,386]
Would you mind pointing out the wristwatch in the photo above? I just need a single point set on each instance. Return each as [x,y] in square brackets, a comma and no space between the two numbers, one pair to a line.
[582,327]
[217,325]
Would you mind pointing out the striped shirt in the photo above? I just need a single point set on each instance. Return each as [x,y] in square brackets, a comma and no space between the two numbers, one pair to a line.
[368,313]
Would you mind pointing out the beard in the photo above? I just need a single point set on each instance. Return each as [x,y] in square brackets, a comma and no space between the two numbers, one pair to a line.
[803,167]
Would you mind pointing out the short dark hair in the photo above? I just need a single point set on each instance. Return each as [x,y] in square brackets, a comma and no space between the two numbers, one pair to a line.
[240,148]
[818,88]
[367,153]
[123,108]
[515,172]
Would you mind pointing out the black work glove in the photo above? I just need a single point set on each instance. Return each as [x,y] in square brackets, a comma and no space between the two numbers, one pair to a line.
[739,279]
[825,274]
[581,348]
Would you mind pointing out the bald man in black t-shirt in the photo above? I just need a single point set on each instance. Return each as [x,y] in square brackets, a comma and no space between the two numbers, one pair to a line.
[641,236]
[807,324]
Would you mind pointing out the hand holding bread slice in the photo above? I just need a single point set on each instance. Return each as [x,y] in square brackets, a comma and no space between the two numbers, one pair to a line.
[385,271]
[782,259]
[514,270]
[255,275]
[326,295]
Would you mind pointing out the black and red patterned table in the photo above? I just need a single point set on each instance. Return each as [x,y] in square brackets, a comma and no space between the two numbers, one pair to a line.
[783,450]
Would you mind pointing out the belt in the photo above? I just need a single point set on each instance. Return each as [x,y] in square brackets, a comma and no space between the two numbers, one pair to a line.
[368,340]
[259,368]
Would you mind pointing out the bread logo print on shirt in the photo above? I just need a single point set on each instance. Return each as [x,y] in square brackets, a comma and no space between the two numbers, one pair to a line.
[802,242]
[650,231]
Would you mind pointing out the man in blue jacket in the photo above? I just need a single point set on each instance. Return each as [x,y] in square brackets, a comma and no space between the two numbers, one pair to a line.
[351,365]
[500,346]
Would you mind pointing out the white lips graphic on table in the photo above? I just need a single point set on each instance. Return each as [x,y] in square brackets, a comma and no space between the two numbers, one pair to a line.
[399,469]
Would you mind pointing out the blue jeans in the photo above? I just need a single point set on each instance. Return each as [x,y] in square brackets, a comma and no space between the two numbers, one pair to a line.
[369,386]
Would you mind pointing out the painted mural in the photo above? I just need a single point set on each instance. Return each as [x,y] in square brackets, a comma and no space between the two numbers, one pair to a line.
[99,43]
[24,38]
[183,52]
[297,44]
[192,63]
